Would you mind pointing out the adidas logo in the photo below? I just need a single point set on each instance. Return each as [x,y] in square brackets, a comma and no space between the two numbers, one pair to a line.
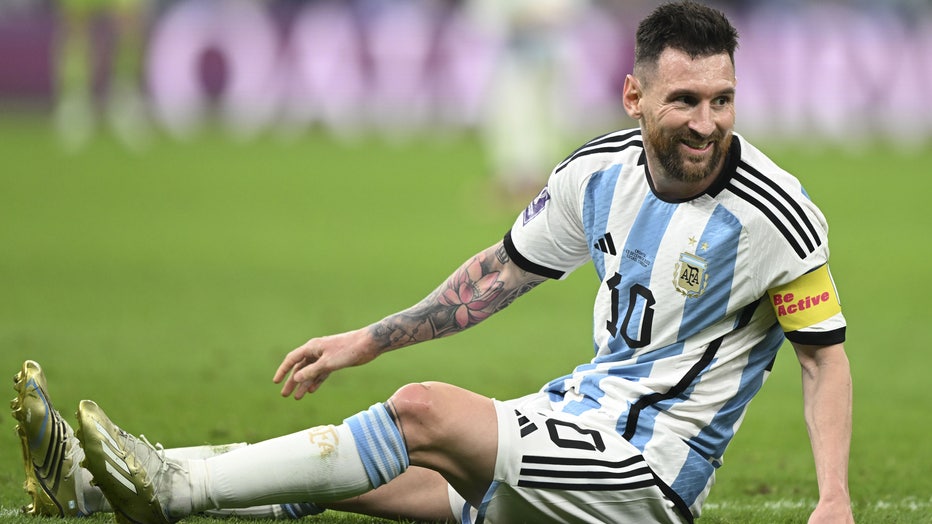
[605,244]
[527,427]
[110,447]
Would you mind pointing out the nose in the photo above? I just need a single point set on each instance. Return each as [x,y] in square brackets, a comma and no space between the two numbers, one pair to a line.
[702,121]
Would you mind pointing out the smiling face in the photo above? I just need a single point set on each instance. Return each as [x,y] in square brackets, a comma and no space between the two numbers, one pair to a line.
[686,110]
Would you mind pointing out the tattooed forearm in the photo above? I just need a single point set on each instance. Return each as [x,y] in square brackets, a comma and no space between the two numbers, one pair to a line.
[502,254]
[518,291]
[527,282]
[481,287]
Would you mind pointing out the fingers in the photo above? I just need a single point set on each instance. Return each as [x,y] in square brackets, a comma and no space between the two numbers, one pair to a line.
[296,373]
[291,386]
[305,368]
[299,389]
[289,364]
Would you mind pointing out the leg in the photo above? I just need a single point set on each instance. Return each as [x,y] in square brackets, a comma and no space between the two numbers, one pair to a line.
[441,427]
[451,438]
[74,75]
[126,102]
[417,494]
[129,21]
[449,430]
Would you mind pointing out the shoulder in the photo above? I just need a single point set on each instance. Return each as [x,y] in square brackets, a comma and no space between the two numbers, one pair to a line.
[624,146]
[775,201]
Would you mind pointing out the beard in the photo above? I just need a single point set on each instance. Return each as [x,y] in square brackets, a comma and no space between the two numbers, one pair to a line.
[680,165]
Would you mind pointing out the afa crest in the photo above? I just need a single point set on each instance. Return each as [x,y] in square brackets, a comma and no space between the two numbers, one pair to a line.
[690,276]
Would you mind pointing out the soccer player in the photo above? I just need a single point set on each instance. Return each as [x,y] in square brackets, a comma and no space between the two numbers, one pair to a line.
[708,254]
[520,127]
[75,60]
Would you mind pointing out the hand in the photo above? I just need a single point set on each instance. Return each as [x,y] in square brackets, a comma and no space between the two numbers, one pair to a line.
[306,367]
[832,513]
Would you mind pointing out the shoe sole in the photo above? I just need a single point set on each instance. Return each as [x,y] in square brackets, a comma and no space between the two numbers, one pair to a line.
[123,481]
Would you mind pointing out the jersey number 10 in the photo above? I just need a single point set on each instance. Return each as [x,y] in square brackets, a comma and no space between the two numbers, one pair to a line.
[638,296]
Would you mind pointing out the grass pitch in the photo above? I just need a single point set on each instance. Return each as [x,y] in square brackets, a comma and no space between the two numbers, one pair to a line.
[168,285]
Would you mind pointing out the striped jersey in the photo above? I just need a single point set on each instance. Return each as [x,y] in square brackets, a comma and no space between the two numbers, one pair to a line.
[695,297]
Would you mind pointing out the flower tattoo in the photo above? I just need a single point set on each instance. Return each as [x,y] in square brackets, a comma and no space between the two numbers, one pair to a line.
[470,293]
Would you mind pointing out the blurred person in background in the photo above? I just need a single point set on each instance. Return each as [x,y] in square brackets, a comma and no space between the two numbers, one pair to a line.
[521,124]
[78,57]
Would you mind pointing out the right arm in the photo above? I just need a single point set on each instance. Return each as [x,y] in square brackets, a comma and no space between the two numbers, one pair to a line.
[482,286]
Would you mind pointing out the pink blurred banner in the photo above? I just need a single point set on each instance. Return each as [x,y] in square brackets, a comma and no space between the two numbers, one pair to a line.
[841,73]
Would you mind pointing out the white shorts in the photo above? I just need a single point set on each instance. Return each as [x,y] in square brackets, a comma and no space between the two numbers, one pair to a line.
[557,467]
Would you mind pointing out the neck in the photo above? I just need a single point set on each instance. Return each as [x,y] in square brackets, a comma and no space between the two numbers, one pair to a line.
[670,188]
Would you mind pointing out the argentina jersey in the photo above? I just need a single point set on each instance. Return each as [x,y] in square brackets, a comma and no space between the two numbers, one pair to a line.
[684,330]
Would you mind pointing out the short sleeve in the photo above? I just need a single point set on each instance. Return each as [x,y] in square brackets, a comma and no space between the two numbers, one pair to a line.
[548,237]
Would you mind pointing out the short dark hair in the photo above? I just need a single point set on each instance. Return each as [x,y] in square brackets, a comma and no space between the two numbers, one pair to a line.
[686,26]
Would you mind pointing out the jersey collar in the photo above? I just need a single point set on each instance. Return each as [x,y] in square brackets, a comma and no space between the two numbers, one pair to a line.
[728,171]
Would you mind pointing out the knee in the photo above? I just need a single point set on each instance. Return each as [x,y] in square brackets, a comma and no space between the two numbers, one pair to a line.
[417,409]
[418,400]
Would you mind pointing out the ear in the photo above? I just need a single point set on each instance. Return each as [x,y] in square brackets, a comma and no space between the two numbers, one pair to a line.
[631,97]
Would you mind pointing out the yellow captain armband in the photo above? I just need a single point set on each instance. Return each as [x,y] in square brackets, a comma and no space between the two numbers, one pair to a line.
[806,301]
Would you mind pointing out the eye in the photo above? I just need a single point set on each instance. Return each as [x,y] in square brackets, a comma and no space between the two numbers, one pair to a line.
[687,100]
[722,101]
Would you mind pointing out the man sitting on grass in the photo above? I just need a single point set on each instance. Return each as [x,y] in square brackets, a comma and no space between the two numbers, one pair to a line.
[708,255]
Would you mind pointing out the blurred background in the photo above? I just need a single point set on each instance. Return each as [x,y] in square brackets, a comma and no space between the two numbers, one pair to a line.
[841,72]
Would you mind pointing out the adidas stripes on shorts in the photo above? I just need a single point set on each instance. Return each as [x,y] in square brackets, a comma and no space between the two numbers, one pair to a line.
[557,467]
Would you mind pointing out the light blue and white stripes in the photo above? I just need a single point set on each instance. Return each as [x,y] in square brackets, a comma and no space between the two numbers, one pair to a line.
[379,443]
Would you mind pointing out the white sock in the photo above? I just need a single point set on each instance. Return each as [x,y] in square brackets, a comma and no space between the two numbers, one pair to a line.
[201,452]
[90,498]
[267,511]
[321,464]
[322,461]
[93,498]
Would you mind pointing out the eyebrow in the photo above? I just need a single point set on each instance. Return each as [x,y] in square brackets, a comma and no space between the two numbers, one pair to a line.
[693,93]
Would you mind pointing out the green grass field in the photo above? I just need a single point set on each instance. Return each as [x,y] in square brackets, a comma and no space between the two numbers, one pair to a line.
[167,286]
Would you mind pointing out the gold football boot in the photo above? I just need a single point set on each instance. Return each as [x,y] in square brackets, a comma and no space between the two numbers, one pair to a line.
[51,453]
[135,476]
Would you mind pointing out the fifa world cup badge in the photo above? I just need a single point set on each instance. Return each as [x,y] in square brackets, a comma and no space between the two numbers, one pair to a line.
[690,277]
[536,206]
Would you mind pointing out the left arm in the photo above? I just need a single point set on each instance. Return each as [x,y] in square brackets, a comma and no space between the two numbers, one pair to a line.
[827,401]
[481,287]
